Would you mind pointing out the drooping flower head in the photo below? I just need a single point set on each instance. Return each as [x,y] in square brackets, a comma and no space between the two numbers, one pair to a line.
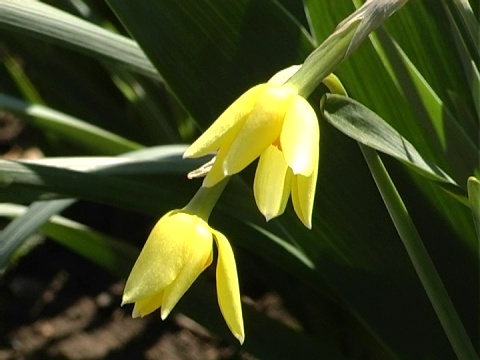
[178,250]
[273,122]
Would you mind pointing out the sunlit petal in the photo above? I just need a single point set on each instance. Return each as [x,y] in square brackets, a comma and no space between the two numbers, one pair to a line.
[303,195]
[300,136]
[282,76]
[229,121]
[260,129]
[228,292]
[271,186]
[217,172]
[148,305]
[198,255]
[178,250]
[161,258]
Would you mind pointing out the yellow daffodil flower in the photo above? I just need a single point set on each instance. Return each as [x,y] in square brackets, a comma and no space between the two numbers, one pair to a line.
[273,122]
[179,248]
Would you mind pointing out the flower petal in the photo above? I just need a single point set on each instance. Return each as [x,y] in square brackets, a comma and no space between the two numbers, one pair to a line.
[260,129]
[271,186]
[198,256]
[283,75]
[161,258]
[146,306]
[303,195]
[217,173]
[229,121]
[300,136]
[228,292]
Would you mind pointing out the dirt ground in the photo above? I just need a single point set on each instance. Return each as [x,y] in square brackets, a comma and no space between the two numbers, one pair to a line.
[70,309]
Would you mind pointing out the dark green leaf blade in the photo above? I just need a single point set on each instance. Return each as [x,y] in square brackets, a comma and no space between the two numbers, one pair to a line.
[474,197]
[360,123]
[48,23]
[210,52]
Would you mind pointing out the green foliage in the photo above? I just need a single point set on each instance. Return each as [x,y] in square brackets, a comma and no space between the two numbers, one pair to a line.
[109,83]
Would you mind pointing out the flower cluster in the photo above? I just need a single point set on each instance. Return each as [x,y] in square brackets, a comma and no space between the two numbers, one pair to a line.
[271,122]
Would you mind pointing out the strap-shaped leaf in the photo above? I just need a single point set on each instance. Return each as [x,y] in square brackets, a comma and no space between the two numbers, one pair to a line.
[100,179]
[107,186]
[474,197]
[73,129]
[50,24]
[28,223]
[360,123]
[209,52]
[90,186]
[113,254]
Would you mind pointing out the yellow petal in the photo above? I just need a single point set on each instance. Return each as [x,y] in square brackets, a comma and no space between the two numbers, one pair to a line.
[260,129]
[217,173]
[282,76]
[300,136]
[148,305]
[228,292]
[271,186]
[161,258]
[229,121]
[198,255]
[303,195]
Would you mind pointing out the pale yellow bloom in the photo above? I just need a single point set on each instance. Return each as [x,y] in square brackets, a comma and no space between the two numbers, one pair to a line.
[273,122]
[178,250]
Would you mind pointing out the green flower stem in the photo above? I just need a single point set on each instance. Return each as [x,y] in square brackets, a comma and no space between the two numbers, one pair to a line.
[421,261]
[346,38]
[417,252]
[322,61]
[205,200]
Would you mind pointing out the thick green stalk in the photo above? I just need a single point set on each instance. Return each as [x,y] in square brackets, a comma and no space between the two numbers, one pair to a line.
[205,200]
[421,261]
[417,252]
[346,38]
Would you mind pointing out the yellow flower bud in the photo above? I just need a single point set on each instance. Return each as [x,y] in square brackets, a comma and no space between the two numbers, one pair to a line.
[178,250]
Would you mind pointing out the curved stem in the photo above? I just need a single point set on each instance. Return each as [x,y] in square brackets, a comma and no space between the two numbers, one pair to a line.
[205,200]
[421,261]
[423,264]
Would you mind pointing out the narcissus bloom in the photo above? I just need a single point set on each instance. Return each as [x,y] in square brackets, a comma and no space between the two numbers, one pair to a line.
[273,122]
[177,251]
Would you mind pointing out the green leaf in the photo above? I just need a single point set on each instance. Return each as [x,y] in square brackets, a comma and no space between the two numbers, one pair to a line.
[14,235]
[110,253]
[107,185]
[161,160]
[73,130]
[360,123]
[88,186]
[448,142]
[421,261]
[470,22]
[50,24]
[112,180]
[210,52]
[474,197]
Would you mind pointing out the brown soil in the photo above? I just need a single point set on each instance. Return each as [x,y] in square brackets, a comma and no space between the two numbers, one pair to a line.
[70,309]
